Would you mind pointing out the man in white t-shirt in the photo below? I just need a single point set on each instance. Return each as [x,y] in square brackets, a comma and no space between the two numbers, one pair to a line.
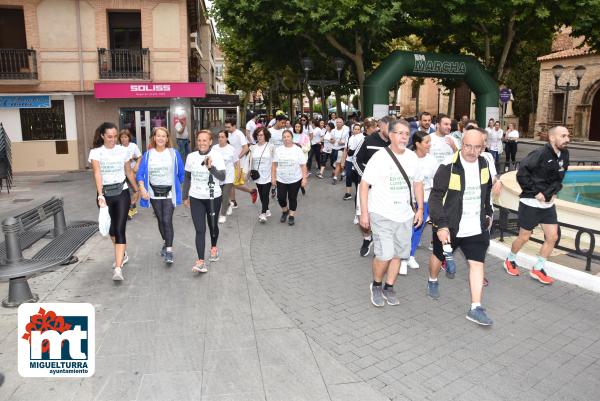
[340,134]
[238,140]
[387,209]
[277,130]
[462,217]
[251,127]
[443,145]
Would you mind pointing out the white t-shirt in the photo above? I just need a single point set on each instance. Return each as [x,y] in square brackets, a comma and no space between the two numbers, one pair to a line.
[514,134]
[250,127]
[230,156]
[199,184]
[262,160]
[389,195]
[289,161]
[276,136]
[440,150]
[470,221]
[428,167]
[340,135]
[307,130]
[271,123]
[494,139]
[317,136]
[327,146]
[353,143]
[160,169]
[112,163]
[134,153]
[237,139]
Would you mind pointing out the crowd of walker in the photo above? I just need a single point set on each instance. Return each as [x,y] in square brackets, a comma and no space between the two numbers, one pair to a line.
[440,172]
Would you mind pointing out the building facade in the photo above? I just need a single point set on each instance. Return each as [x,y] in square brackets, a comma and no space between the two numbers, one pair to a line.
[69,65]
[580,107]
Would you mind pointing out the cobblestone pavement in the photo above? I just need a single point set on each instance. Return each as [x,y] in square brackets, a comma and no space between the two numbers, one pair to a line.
[544,344]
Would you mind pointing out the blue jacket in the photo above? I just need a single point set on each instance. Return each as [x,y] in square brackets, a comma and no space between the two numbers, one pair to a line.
[178,175]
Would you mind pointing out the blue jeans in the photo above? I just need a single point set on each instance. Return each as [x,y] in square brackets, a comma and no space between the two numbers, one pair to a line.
[417,231]
[495,154]
[184,147]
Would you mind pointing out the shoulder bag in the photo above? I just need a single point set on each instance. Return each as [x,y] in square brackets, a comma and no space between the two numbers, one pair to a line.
[389,151]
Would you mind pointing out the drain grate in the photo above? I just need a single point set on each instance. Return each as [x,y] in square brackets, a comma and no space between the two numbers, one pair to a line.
[22,200]
[55,181]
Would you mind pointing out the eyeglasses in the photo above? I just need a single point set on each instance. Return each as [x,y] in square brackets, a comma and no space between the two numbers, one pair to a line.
[472,147]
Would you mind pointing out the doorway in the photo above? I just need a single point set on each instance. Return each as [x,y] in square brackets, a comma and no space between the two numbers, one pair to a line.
[141,122]
[594,134]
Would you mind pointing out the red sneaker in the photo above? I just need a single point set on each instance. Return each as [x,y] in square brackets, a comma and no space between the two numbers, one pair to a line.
[511,267]
[541,276]
[254,195]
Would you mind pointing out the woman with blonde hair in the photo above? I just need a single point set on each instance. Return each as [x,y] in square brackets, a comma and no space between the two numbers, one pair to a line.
[159,178]
[204,169]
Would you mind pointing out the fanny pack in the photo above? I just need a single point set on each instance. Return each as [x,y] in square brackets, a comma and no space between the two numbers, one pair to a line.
[161,191]
[113,189]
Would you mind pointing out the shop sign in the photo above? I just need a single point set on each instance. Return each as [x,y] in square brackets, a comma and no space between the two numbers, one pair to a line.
[147,90]
[24,102]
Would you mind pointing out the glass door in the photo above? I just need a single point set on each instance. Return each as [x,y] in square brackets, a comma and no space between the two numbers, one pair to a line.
[141,122]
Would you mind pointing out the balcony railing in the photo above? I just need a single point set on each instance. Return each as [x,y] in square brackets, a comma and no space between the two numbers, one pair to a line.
[18,64]
[124,63]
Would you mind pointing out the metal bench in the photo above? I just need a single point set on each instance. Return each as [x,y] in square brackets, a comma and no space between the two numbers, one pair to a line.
[24,230]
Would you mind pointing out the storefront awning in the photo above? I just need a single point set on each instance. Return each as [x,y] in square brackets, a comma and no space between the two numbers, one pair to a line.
[154,90]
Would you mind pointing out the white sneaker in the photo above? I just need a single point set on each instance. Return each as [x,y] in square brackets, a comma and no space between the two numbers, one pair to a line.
[118,274]
[125,260]
[262,218]
[430,247]
[268,214]
[403,268]
[355,220]
[199,268]
[229,210]
[222,219]
[412,263]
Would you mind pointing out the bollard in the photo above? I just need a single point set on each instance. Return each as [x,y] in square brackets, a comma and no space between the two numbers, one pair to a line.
[60,224]
[18,293]
[11,239]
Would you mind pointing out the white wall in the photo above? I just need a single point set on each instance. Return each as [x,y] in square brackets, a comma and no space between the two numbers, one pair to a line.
[11,120]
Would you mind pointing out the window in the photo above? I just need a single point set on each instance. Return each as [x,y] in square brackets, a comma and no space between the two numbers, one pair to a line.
[415,90]
[12,29]
[44,124]
[558,106]
[125,30]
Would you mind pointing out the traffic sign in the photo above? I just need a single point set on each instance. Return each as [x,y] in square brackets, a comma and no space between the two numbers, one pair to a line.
[504,95]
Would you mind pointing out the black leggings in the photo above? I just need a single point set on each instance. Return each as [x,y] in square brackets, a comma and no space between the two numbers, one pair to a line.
[201,214]
[263,192]
[510,148]
[288,192]
[118,207]
[315,151]
[163,209]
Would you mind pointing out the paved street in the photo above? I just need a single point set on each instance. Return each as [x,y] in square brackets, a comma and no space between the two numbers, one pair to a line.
[285,315]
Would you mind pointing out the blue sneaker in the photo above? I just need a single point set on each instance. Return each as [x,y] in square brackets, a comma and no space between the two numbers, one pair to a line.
[433,289]
[478,316]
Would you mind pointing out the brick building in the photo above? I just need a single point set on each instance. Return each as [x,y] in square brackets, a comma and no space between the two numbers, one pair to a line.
[582,106]
[68,65]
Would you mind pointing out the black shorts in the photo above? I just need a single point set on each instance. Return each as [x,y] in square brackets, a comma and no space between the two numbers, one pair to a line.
[530,217]
[474,247]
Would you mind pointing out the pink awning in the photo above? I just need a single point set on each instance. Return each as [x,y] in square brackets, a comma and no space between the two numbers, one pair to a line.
[157,90]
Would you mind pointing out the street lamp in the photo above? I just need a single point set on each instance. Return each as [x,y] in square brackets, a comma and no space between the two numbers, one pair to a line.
[557,71]
[307,65]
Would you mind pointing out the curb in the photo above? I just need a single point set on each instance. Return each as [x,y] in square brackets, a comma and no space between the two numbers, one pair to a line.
[563,273]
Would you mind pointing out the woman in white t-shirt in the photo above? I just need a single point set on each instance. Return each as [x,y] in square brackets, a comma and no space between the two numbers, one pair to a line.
[316,141]
[326,152]
[202,193]
[126,140]
[351,175]
[301,139]
[231,159]
[159,178]
[111,165]
[261,156]
[289,174]
[428,166]
[511,138]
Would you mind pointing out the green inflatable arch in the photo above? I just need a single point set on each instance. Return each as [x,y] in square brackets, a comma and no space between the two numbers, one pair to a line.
[402,63]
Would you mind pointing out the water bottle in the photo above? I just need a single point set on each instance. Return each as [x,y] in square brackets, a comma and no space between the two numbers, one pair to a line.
[450,264]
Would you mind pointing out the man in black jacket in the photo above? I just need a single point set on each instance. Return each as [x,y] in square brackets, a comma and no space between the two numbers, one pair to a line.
[460,209]
[540,176]
[363,153]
